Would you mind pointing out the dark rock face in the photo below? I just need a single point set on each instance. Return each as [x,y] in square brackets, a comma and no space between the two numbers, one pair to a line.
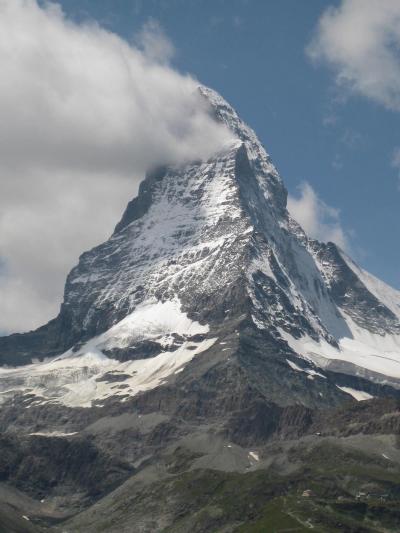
[139,206]
[20,348]
[350,294]
[261,422]
[43,465]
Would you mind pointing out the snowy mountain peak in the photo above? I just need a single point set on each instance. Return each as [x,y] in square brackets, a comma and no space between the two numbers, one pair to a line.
[216,237]
[257,155]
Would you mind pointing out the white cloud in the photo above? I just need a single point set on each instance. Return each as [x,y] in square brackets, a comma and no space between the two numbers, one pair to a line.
[83,115]
[360,41]
[319,220]
[396,160]
[154,43]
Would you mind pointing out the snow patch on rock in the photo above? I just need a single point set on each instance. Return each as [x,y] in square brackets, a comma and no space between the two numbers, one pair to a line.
[78,379]
[359,395]
[379,354]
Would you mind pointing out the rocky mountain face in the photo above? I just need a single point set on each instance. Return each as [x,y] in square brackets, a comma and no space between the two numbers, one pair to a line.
[206,328]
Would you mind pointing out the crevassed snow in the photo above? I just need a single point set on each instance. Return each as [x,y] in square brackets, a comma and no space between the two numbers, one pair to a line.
[359,395]
[79,379]
[144,374]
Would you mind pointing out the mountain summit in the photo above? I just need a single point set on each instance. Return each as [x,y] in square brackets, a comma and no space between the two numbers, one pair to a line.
[213,241]
[207,306]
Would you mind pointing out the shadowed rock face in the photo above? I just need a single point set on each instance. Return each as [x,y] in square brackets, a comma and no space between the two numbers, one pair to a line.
[41,464]
[349,293]
[180,346]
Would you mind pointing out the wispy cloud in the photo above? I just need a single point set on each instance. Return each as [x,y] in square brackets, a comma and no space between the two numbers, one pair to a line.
[396,161]
[237,21]
[319,220]
[352,139]
[154,43]
[360,40]
[83,115]
[329,119]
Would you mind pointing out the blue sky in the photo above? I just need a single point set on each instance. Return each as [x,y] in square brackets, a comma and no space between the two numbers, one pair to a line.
[253,53]
[94,92]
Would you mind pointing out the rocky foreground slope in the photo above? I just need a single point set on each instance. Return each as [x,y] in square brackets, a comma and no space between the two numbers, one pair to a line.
[209,364]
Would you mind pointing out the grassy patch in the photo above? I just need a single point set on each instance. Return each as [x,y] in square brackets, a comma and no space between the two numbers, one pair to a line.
[275,518]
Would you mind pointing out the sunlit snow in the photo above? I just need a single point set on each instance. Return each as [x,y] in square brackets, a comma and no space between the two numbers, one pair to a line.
[378,353]
[359,395]
[79,379]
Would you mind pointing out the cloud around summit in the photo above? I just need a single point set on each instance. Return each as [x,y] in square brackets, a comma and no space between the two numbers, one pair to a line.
[84,114]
